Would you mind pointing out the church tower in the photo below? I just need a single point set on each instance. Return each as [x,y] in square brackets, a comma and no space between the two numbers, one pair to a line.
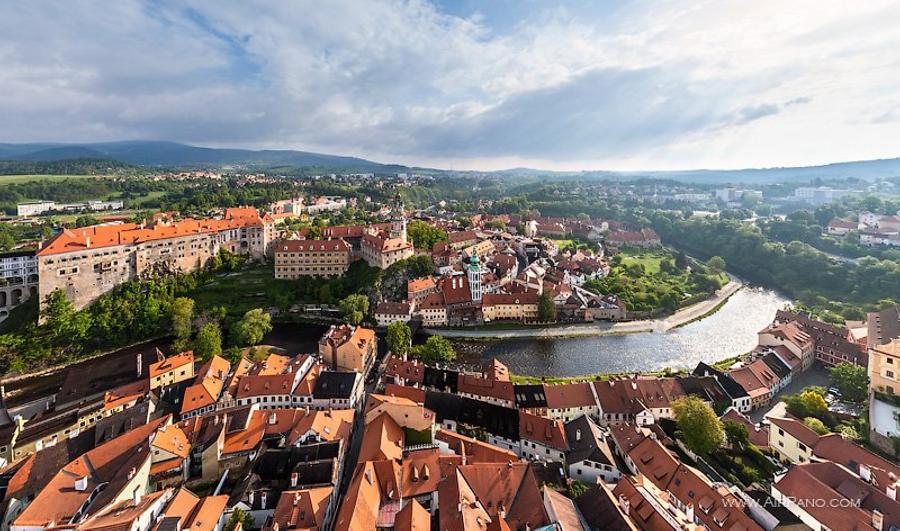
[474,274]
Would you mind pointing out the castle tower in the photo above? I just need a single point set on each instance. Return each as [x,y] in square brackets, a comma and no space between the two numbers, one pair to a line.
[474,273]
[398,219]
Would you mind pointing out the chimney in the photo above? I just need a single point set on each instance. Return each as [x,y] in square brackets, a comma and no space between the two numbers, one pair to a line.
[136,496]
[294,477]
[81,484]
[865,473]
[262,499]
[273,419]
[578,434]
[87,241]
[891,491]
[624,503]
[689,512]
[250,498]
[140,364]
[877,519]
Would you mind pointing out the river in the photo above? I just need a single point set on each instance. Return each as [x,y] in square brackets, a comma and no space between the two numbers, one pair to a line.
[728,332]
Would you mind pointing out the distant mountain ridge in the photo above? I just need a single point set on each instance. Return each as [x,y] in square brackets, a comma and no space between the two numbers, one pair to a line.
[174,155]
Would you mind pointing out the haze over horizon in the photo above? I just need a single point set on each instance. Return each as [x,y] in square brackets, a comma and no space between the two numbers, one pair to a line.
[463,84]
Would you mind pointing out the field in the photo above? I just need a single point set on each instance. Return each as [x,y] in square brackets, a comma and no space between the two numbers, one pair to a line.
[14,179]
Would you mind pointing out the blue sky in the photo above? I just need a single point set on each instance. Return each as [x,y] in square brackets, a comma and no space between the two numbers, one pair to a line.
[665,84]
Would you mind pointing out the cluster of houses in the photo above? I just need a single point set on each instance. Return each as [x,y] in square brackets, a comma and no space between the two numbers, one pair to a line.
[493,276]
[617,437]
[874,229]
[295,442]
[125,439]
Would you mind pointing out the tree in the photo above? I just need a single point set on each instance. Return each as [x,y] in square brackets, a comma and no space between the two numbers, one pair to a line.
[86,220]
[546,308]
[242,517]
[808,403]
[576,489]
[208,342]
[717,264]
[182,317]
[435,350]
[424,235]
[851,380]
[698,425]
[62,322]
[354,308]
[816,425]
[252,327]
[399,338]
[736,434]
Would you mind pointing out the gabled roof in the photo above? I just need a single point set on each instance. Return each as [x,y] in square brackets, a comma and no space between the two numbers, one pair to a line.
[109,463]
[475,451]
[171,363]
[382,439]
[301,509]
[797,430]
[412,517]
[569,395]
[837,498]
[587,442]
[542,430]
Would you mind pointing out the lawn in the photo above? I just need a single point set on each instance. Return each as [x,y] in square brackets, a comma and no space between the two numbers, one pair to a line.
[14,179]
[239,291]
[650,260]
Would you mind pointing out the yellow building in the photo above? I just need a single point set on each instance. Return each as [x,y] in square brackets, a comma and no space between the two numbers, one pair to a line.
[319,258]
[884,368]
[349,348]
[509,306]
[792,439]
[172,370]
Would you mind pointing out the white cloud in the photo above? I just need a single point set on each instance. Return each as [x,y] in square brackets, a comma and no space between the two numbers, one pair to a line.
[649,85]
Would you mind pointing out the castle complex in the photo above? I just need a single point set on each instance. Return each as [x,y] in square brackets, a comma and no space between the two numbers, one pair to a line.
[88,262]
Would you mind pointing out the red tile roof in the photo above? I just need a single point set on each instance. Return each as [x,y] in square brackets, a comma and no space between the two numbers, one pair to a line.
[543,430]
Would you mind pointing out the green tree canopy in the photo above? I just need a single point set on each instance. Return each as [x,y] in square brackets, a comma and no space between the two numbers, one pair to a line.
[208,342]
[851,380]
[435,350]
[252,327]
[182,318]
[816,425]
[717,264]
[354,308]
[736,434]
[424,235]
[698,425]
[808,403]
[546,308]
[399,338]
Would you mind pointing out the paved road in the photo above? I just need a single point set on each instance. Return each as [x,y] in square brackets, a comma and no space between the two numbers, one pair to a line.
[680,317]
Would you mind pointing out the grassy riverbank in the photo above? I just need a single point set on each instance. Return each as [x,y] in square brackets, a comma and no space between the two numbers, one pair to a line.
[598,377]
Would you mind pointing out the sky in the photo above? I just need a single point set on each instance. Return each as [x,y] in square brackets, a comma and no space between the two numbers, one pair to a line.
[494,84]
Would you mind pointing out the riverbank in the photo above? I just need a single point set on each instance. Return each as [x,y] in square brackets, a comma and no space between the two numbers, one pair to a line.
[680,318]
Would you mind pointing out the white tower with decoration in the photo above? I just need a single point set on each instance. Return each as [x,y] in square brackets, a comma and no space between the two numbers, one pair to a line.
[474,273]
[398,219]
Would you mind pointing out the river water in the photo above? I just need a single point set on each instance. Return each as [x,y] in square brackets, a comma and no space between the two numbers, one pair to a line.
[728,332]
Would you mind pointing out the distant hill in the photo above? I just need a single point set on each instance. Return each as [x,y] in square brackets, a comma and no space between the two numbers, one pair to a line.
[173,154]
